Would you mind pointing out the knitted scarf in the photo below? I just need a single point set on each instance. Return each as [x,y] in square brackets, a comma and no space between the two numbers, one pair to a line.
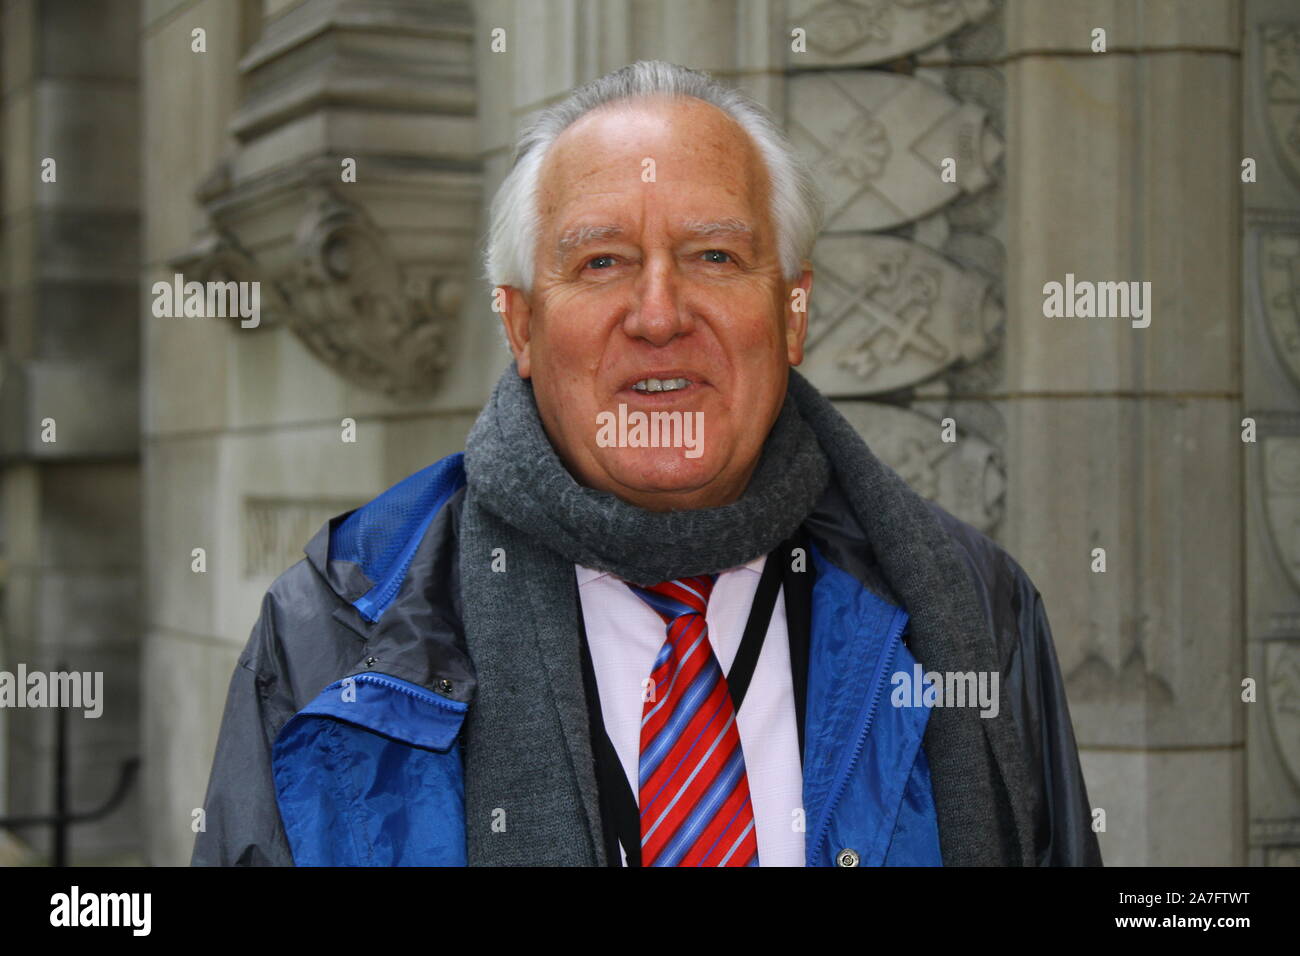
[530,786]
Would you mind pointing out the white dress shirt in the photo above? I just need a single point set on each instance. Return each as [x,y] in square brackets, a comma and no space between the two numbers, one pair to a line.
[625,635]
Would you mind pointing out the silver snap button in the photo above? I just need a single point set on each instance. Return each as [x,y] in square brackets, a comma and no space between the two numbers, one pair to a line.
[371,661]
[444,685]
[847,857]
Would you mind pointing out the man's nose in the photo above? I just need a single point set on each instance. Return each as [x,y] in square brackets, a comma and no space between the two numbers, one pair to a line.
[658,313]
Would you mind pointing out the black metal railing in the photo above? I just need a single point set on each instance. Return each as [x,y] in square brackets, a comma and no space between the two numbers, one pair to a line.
[63,816]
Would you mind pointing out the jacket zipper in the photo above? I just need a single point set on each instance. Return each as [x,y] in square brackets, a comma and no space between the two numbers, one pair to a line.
[887,658]
[413,690]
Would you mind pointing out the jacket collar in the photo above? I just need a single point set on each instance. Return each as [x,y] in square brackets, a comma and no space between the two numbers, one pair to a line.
[390,577]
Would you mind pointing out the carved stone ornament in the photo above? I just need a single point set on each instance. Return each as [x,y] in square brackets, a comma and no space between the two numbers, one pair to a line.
[377,324]
[1281,476]
[1280,62]
[886,313]
[1279,283]
[1282,693]
[863,32]
[966,477]
[880,145]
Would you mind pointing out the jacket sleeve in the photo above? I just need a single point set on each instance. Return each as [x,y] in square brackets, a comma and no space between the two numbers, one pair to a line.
[1064,832]
[241,818]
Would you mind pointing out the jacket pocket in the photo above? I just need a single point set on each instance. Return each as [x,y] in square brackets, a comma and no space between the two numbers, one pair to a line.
[369,774]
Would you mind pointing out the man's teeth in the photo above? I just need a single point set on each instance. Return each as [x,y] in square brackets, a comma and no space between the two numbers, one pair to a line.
[661,385]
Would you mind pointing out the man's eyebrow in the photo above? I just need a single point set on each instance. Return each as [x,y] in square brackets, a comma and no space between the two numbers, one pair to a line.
[720,227]
[576,236]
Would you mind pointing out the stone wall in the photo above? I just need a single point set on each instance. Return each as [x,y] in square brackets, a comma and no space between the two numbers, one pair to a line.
[70,494]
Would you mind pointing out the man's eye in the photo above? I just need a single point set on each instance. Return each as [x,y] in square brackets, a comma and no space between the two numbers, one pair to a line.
[594,263]
[724,256]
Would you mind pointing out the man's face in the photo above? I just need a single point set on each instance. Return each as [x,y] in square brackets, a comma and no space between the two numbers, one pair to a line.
[656,259]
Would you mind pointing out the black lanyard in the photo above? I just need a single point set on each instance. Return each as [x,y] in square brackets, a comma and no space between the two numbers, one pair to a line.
[617,801]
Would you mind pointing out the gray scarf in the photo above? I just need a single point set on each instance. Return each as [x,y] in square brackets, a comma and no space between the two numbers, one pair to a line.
[530,787]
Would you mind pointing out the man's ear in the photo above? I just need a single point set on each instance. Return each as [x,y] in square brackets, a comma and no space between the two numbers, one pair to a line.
[797,303]
[517,318]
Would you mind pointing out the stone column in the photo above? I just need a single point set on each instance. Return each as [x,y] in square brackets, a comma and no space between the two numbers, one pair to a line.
[69,574]
[1270,297]
[1124,166]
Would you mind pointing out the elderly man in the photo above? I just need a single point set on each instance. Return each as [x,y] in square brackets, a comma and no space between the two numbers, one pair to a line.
[667,609]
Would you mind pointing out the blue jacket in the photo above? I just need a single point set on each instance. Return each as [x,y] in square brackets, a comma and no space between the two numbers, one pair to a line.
[341,741]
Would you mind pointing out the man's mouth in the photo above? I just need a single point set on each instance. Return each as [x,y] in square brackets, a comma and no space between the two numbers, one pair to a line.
[665,384]
[661,384]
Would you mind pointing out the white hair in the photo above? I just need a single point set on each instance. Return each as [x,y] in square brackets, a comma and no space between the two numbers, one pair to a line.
[796,204]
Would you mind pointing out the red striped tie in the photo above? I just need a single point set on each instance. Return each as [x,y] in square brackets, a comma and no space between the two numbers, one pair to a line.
[694,794]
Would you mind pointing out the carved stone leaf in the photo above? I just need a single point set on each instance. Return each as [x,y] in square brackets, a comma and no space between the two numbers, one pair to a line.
[1281,476]
[887,313]
[1282,694]
[1279,281]
[965,477]
[862,32]
[877,143]
[1280,63]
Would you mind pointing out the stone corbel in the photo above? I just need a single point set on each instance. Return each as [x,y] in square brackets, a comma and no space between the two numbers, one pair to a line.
[368,271]
[359,310]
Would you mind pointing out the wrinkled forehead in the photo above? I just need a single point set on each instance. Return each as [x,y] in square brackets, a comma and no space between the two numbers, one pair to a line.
[649,150]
